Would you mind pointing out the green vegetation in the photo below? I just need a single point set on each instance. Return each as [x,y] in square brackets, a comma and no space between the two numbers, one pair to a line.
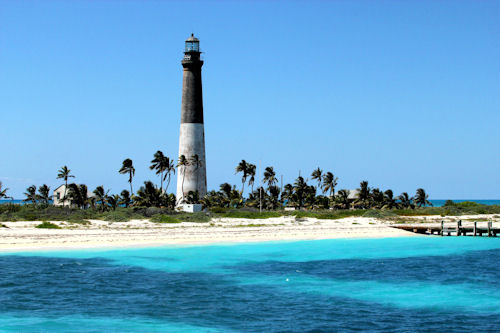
[318,200]
[28,212]
[161,218]
[47,225]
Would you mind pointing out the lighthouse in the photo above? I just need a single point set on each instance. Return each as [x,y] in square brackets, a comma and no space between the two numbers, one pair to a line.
[192,176]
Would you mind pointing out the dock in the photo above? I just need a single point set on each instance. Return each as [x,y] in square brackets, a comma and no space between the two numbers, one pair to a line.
[479,228]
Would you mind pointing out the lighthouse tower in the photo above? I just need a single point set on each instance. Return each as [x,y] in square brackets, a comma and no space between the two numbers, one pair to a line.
[193,176]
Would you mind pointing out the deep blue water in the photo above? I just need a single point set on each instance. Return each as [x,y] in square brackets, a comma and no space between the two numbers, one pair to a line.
[414,284]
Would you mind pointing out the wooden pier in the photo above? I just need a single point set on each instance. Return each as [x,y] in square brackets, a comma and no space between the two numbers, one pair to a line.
[484,229]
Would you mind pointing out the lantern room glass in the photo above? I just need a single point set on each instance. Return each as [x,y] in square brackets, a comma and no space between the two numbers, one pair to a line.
[192,46]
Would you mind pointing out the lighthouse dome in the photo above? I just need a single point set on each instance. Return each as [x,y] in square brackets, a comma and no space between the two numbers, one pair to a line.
[192,44]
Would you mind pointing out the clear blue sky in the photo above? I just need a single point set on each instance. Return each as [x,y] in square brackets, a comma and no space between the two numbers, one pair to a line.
[404,94]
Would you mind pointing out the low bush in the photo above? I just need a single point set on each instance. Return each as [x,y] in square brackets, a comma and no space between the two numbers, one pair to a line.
[162,218]
[47,225]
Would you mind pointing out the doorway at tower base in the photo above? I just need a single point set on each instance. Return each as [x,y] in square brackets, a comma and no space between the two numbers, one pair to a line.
[190,208]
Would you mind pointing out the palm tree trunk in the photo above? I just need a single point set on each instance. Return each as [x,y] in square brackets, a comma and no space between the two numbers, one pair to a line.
[65,188]
[182,185]
[161,181]
[168,182]
[130,181]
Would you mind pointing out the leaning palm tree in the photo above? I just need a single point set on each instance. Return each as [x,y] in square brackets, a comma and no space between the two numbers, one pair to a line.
[65,173]
[251,170]
[128,168]
[421,198]
[243,168]
[329,183]
[183,162]
[31,195]
[161,164]
[169,170]
[318,176]
[270,177]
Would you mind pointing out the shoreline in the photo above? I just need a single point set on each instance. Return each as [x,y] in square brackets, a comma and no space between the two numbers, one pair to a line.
[22,236]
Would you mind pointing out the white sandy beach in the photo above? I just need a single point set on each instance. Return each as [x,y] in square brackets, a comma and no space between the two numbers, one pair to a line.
[20,236]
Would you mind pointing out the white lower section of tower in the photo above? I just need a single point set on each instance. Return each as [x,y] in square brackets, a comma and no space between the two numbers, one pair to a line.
[193,177]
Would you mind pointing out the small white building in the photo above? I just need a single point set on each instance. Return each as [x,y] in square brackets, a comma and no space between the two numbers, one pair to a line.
[58,195]
[353,195]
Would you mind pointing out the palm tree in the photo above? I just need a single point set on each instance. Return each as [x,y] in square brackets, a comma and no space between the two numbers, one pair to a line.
[113,200]
[342,198]
[377,197]
[364,195]
[196,162]
[3,192]
[148,195]
[274,193]
[183,162]
[65,173]
[77,195]
[318,176]
[251,170]
[287,192]
[300,188]
[390,201]
[364,191]
[329,183]
[101,195]
[405,200]
[169,169]
[160,164]
[192,197]
[243,168]
[44,196]
[125,198]
[31,195]
[421,198]
[226,189]
[128,168]
[270,177]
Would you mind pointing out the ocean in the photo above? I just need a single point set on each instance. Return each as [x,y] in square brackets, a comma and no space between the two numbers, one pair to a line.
[413,284]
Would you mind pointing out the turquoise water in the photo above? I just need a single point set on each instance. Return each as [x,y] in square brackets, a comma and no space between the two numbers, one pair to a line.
[423,284]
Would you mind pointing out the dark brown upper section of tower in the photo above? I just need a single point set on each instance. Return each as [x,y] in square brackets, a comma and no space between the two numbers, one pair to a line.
[192,97]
